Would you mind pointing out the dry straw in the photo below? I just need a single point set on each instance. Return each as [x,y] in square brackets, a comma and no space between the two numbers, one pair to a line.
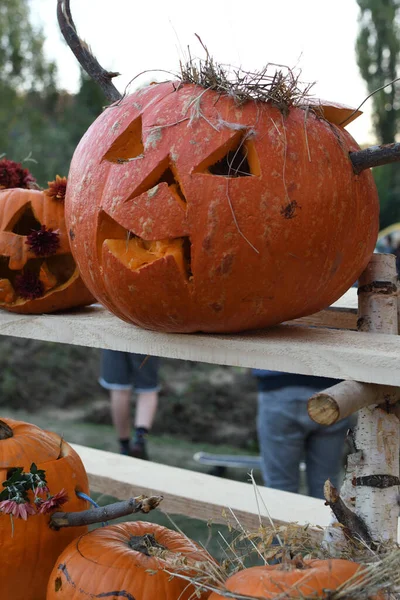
[281,87]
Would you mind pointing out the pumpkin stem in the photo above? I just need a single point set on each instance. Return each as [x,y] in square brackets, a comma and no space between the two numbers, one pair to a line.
[81,50]
[375,156]
[143,543]
[5,431]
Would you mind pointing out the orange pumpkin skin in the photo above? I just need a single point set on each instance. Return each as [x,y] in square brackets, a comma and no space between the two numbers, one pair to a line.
[63,287]
[316,580]
[28,555]
[159,235]
[103,564]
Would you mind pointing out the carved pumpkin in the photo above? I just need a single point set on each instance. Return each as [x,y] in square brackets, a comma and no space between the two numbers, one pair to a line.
[29,547]
[190,213]
[37,271]
[116,561]
[310,579]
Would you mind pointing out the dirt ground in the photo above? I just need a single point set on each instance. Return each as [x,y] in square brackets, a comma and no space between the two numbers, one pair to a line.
[200,403]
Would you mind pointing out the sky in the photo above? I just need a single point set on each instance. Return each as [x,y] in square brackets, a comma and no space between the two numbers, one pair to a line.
[314,36]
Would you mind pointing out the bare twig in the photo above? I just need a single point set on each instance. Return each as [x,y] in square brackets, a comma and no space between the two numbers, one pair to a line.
[82,52]
[104,513]
[375,156]
[343,123]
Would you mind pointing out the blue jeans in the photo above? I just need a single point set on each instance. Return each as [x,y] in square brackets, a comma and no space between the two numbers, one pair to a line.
[287,436]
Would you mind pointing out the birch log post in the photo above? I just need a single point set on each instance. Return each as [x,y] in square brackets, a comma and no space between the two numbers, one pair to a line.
[377,433]
[346,398]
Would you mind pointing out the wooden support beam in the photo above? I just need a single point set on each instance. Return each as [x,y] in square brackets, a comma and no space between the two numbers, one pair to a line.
[346,398]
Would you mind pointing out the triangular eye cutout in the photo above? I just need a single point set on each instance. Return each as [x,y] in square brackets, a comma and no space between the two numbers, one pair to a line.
[163,173]
[237,157]
[128,145]
[24,222]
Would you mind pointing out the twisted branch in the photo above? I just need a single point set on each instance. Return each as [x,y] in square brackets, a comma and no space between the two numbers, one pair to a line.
[82,52]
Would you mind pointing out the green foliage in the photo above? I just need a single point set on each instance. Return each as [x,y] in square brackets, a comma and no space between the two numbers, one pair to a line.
[39,124]
[378,56]
[22,61]
[387,179]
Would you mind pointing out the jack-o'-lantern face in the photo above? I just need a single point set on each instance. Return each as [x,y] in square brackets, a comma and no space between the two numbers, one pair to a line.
[190,213]
[38,273]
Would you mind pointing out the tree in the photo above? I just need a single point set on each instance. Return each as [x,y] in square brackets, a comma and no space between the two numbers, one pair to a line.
[36,119]
[22,61]
[378,54]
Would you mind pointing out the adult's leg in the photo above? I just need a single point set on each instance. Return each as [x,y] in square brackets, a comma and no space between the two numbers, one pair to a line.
[281,438]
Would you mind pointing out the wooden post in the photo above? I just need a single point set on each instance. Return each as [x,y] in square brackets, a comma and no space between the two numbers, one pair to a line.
[377,433]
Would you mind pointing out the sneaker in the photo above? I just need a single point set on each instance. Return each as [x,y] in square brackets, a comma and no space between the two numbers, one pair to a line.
[138,450]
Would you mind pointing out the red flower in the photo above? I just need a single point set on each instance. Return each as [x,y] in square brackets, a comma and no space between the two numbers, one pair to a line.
[53,502]
[12,175]
[28,286]
[16,509]
[43,242]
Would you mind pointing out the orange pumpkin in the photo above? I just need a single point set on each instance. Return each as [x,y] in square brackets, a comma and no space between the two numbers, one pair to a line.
[29,547]
[190,213]
[37,271]
[116,561]
[315,578]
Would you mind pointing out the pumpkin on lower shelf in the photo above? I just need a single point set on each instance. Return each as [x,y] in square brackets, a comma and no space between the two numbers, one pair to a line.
[39,472]
[298,579]
[38,273]
[133,559]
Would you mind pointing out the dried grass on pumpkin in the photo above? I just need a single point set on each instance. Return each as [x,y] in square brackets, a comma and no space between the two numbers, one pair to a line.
[276,84]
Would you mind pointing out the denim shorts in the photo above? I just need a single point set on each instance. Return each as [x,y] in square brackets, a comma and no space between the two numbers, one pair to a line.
[124,371]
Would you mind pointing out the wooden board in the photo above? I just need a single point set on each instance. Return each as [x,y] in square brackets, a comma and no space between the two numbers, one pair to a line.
[201,496]
[197,495]
[293,348]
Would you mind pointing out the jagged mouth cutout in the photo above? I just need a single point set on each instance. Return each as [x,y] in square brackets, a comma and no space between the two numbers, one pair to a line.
[39,276]
[237,157]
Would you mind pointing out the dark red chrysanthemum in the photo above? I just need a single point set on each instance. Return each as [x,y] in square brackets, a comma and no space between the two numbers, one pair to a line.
[43,242]
[28,286]
[13,175]
[57,189]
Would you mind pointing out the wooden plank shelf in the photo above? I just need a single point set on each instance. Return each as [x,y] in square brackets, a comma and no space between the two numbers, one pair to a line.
[198,495]
[309,346]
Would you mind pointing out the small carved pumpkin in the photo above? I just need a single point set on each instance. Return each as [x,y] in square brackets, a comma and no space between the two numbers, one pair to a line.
[190,213]
[37,271]
[309,579]
[29,547]
[118,561]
